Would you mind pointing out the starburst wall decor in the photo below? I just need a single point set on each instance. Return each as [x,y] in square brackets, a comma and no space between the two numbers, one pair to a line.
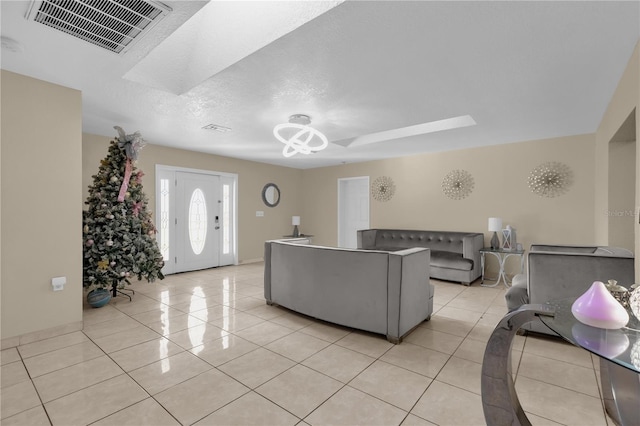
[550,179]
[458,184]
[383,188]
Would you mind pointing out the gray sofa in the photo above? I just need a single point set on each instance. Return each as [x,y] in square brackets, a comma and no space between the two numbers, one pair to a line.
[376,291]
[455,256]
[559,272]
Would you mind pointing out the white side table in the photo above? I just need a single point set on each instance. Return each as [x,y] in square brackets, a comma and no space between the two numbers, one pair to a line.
[502,256]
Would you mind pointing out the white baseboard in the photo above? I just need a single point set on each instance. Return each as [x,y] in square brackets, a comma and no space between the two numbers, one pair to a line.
[258,260]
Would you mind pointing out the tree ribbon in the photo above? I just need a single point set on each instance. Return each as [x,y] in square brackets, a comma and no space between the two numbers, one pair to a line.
[132,144]
[128,168]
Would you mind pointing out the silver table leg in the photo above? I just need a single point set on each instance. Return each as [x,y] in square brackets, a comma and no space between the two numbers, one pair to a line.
[620,391]
[499,400]
[500,272]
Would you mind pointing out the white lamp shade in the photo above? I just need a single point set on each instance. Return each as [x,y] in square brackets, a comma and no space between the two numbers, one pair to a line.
[295,220]
[495,224]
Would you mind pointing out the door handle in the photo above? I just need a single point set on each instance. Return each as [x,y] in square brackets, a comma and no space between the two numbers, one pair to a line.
[217,223]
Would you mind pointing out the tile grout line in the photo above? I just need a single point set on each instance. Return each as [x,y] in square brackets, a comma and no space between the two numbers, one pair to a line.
[335,343]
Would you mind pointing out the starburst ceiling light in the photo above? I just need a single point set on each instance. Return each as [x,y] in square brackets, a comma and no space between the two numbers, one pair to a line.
[302,139]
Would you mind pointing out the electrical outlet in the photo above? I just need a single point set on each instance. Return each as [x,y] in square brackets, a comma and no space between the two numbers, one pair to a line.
[58,283]
[259,213]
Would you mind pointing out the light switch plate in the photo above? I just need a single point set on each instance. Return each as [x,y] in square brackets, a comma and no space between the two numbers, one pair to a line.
[58,283]
[259,213]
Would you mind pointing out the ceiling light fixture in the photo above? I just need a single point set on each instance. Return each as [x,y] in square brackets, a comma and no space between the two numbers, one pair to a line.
[301,136]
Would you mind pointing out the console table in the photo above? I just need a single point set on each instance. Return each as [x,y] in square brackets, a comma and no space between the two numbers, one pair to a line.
[502,255]
[299,236]
[619,352]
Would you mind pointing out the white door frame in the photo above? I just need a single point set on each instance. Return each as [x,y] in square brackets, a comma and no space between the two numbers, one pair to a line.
[163,169]
[340,207]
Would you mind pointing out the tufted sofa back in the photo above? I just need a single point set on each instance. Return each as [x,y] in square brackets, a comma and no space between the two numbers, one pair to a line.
[435,240]
[455,256]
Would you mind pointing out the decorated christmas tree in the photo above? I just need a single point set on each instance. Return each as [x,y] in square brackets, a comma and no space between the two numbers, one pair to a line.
[118,234]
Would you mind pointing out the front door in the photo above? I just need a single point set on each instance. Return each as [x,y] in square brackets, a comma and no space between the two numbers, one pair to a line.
[197,221]
[196,217]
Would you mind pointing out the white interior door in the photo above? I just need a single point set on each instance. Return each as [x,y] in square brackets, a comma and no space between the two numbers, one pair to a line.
[196,218]
[353,209]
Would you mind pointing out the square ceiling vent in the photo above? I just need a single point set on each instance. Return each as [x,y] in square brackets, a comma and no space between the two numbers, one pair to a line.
[113,25]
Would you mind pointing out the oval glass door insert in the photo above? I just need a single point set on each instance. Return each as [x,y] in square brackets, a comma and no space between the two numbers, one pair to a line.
[197,221]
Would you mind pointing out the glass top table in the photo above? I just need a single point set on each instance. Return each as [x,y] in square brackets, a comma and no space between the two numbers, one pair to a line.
[618,352]
[620,346]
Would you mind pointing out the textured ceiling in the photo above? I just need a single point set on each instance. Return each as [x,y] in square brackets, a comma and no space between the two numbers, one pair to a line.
[521,70]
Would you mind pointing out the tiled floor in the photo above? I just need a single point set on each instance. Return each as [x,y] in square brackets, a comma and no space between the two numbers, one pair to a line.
[204,348]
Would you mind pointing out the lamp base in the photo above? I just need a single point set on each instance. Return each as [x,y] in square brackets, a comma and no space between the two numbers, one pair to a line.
[296,233]
[495,242]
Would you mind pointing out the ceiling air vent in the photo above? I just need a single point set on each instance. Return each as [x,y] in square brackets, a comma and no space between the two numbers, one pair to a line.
[217,128]
[111,24]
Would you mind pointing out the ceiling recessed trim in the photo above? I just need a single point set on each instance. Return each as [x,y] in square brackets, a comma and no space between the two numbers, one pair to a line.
[210,41]
[110,24]
[418,129]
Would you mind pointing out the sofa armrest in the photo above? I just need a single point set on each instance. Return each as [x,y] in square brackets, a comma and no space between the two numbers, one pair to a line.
[613,252]
[556,248]
[471,245]
[267,262]
[409,291]
[367,239]
[267,271]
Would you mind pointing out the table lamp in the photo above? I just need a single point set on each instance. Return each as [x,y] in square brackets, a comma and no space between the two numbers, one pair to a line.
[295,221]
[495,225]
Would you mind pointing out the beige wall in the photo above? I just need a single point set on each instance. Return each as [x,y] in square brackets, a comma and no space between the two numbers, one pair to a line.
[622,194]
[500,173]
[41,224]
[623,102]
[253,231]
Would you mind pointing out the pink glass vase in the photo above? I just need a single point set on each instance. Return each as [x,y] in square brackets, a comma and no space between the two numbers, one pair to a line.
[598,308]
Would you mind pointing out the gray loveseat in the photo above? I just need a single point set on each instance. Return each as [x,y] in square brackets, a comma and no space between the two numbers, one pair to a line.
[455,256]
[559,272]
[376,291]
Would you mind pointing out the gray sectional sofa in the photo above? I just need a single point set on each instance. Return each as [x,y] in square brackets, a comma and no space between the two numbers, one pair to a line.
[455,256]
[562,271]
[376,291]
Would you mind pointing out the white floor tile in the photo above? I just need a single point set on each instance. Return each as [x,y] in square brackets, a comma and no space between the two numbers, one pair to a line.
[210,351]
